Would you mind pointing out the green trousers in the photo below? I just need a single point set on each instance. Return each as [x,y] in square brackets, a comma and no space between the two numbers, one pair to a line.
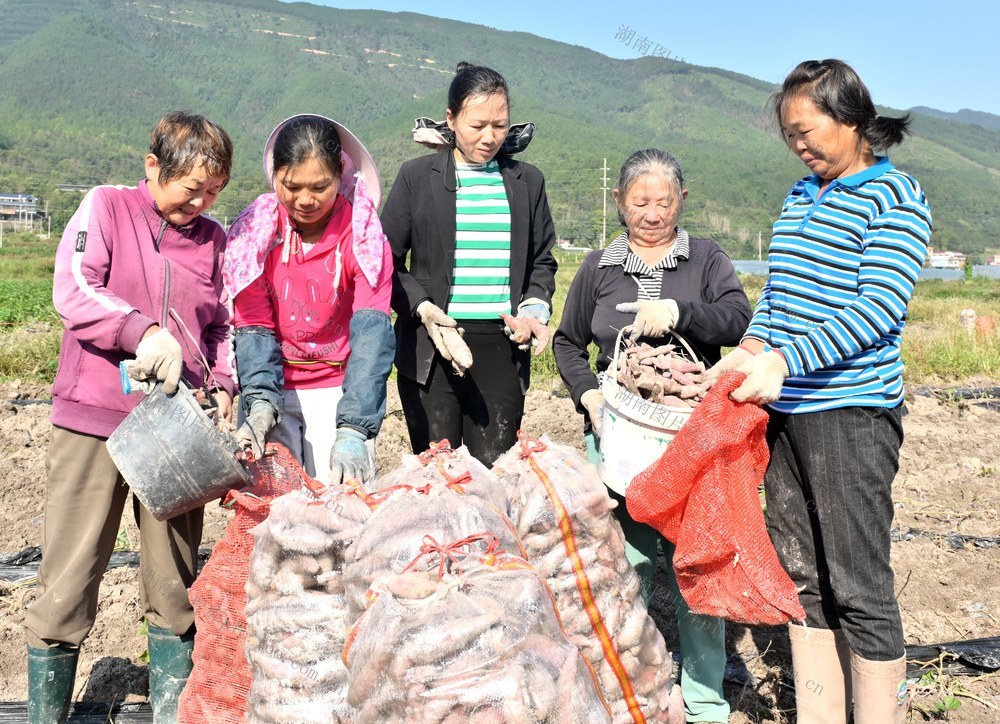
[702,638]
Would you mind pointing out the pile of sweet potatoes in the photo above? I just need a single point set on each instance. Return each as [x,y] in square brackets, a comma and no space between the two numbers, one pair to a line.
[664,374]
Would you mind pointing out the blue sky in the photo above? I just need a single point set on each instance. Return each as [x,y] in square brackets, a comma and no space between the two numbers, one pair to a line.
[923,52]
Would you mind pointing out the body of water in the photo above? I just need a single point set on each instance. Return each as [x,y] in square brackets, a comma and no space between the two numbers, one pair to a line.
[753,266]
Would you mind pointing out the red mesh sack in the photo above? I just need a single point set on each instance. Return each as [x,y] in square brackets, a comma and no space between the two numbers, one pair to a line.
[216,691]
[702,496]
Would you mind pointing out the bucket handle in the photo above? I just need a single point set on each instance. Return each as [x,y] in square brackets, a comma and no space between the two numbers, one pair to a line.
[695,357]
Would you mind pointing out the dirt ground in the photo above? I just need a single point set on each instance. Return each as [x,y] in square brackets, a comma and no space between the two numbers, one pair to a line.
[948,483]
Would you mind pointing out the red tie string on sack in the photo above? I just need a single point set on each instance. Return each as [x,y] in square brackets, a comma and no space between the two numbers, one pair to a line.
[439,452]
[454,482]
[441,448]
[529,447]
[374,499]
[453,552]
[450,553]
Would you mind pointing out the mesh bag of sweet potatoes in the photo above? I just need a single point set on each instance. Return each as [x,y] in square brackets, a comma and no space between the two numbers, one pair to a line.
[316,557]
[563,516]
[467,633]
[702,495]
[216,691]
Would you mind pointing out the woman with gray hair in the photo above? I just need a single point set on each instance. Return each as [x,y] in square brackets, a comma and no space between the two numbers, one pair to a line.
[657,278]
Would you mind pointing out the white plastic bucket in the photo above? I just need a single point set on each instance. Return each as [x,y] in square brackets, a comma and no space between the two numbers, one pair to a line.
[634,431]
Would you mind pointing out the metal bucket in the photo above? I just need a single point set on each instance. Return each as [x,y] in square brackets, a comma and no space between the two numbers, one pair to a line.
[172,456]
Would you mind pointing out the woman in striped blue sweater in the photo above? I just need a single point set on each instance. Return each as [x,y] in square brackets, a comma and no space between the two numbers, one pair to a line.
[823,352]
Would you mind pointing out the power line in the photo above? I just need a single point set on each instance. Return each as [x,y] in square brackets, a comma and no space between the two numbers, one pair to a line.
[604,199]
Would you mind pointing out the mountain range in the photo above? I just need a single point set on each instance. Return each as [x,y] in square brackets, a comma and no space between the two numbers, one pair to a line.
[82,82]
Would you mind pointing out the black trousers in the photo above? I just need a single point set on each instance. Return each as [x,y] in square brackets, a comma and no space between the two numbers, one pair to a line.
[481,410]
[829,513]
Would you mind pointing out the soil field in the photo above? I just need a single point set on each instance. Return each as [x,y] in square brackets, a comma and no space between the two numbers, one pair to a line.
[948,587]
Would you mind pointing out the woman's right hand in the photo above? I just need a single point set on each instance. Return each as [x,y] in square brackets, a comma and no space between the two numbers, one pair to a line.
[732,361]
[446,336]
[593,401]
[253,433]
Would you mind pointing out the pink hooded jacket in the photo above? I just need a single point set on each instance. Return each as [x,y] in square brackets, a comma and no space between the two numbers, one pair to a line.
[121,268]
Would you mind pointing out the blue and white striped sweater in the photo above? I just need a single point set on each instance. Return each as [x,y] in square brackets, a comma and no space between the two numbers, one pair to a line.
[842,267]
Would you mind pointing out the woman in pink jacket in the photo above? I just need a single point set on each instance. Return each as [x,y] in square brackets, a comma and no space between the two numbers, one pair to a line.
[310,273]
[138,274]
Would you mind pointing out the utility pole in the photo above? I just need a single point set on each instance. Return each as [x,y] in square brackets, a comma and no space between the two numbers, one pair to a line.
[758,245]
[604,213]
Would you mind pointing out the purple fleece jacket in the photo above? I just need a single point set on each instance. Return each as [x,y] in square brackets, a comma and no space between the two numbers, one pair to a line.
[120,269]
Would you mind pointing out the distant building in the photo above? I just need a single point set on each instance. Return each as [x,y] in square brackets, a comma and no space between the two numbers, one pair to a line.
[937,259]
[82,188]
[18,206]
[993,260]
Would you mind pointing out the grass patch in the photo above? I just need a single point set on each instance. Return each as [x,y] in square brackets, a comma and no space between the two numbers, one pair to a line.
[30,352]
[26,300]
[936,350]
[24,256]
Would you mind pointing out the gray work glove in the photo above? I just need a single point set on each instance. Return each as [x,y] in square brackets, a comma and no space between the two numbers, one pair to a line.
[158,357]
[529,328]
[593,402]
[653,317]
[254,431]
[349,458]
[446,336]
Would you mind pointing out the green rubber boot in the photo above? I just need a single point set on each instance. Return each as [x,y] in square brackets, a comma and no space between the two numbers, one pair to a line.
[169,667]
[51,673]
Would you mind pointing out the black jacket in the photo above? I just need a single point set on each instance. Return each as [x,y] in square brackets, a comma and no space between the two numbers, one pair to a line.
[712,305]
[419,219]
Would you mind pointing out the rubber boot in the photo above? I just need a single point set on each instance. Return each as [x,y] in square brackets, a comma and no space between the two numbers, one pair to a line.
[51,674]
[169,667]
[822,665]
[879,690]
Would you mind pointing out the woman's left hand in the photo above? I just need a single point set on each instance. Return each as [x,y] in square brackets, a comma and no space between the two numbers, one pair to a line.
[765,373]
[653,317]
[349,458]
[523,330]
[224,406]
[218,404]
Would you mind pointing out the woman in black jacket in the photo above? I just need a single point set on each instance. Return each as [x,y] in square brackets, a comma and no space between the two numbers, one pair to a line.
[471,237]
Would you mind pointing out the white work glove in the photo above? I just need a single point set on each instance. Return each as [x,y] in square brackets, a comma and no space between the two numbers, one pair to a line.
[158,357]
[765,372]
[653,317]
[446,336]
[732,361]
[529,328]
[593,401]
[349,458]
[254,431]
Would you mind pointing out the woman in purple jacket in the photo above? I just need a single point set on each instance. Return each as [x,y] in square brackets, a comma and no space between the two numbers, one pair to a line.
[138,275]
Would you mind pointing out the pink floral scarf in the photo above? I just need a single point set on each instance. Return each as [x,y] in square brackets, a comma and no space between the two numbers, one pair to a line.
[258,229]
